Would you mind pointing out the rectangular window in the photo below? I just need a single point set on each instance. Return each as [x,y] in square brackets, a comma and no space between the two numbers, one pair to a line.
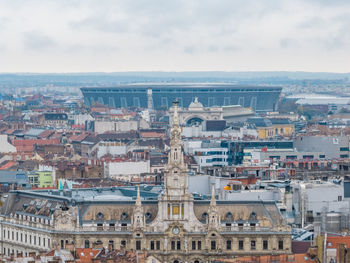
[172,245]
[265,245]
[344,149]
[213,245]
[280,245]
[211,101]
[25,238]
[39,241]
[193,245]
[21,237]
[30,239]
[176,210]
[123,243]
[240,245]
[48,242]
[164,102]
[252,245]
[158,245]
[44,241]
[199,247]
[138,244]
[16,236]
[339,198]
[152,245]
[228,244]
[308,156]
[226,101]
[34,240]
[178,245]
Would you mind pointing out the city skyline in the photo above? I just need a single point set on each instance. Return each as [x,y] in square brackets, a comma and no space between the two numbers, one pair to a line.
[109,36]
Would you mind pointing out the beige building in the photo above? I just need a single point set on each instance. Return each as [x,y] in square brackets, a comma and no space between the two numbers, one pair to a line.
[175,228]
[196,113]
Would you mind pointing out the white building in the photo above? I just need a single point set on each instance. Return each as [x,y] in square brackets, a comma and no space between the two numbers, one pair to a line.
[207,153]
[111,148]
[80,119]
[120,126]
[259,156]
[126,170]
[5,146]
[314,198]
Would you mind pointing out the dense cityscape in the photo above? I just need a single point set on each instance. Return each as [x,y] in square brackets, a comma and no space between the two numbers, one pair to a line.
[174,172]
[182,131]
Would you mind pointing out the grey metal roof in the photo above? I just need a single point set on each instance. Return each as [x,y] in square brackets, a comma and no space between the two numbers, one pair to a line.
[184,86]
[19,177]
[260,122]
[34,132]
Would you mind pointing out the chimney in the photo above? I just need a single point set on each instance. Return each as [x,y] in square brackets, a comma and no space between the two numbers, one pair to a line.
[97,245]
[69,247]
[110,247]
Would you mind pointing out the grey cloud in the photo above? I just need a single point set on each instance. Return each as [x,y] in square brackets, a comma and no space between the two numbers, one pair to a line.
[35,40]
[101,23]
[287,42]
[189,50]
[231,48]
[312,22]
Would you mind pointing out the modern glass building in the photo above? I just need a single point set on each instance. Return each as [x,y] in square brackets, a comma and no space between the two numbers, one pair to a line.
[260,98]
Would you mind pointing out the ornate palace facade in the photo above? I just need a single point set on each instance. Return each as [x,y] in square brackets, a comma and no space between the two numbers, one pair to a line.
[174,228]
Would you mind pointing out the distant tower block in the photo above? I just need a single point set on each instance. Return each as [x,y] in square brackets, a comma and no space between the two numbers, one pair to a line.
[149,99]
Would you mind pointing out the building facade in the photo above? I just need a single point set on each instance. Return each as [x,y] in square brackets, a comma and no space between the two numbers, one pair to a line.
[174,228]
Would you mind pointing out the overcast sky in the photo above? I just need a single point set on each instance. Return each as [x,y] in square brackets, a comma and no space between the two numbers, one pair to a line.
[170,35]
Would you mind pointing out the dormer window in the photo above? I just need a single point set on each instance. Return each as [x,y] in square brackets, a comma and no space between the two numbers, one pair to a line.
[124,216]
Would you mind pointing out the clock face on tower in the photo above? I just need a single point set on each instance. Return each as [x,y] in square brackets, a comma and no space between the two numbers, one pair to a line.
[176,230]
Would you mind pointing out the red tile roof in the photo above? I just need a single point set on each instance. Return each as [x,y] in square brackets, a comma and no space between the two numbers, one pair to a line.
[28,145]
[332,241]
[8,165]
[86,254]
[78,126]
[78,138]
[298,258]
[46,134]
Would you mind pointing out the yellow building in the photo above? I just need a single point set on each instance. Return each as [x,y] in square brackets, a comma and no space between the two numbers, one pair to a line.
[282,127]
[263,127]
[269,128]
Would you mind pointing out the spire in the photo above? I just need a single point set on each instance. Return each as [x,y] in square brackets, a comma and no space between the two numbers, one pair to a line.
[176,116]
[213,216]
[213,200]
[138,198]
[138,219]
[176,129]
